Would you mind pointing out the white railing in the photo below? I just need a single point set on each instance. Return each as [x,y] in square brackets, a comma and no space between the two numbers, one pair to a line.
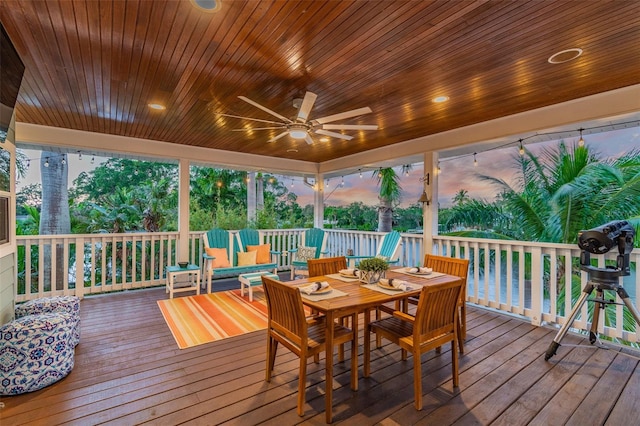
[112,262]
[531,278]
[528,281]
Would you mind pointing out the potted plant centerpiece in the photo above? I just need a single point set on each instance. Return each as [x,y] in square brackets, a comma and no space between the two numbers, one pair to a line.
[372,269]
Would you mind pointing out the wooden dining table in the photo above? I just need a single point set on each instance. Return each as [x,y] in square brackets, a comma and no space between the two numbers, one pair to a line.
[357,299]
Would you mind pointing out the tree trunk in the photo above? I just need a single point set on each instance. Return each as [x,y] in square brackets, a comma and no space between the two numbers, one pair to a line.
[54,218]
[385,215]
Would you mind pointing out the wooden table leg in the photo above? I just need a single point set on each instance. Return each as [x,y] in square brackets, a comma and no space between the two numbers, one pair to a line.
[354,354]
[367,344]
[328,396]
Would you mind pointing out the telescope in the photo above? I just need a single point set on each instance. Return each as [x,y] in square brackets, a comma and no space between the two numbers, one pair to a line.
[618,233]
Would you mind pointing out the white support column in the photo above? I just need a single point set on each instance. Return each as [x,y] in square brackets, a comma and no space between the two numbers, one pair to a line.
[318,202]
[183,211]
[251,197]
[430,210]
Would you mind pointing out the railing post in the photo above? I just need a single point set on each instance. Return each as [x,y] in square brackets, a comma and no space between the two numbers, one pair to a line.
[79,272]
[537,285]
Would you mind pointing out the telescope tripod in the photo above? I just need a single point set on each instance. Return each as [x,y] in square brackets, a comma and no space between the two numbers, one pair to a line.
[601,303]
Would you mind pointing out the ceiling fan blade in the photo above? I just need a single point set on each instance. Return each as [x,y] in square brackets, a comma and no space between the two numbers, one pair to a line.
[258,128]
[305,107]
[343,115]
[275,138]
[350,126]
[308,139]
[247,118]
[265,109]
[334,134]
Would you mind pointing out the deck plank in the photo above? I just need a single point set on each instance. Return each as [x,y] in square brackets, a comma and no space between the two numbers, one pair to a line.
[130,371]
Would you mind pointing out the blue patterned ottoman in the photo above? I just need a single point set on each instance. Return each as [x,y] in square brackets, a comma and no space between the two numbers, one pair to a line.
[35,351]
[70,304]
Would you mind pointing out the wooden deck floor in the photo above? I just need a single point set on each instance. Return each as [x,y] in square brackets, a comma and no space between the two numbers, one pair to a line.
[129,370]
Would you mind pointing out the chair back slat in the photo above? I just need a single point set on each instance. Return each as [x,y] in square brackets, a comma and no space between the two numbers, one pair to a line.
[390,244]
[326,265]
[285,310]
[248,237]
[448,265]
[314,237]
[437,311]
[217,238]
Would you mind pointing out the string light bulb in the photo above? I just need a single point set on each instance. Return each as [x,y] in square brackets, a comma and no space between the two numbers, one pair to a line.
[581,140]
[360,170]
[93,159]
[80,156]
[46,162]
[475,160]
[342,181]
[521,150]
[63,161]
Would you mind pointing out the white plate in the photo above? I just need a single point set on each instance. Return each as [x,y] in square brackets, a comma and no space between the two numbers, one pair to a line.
[418,273]
[388,287]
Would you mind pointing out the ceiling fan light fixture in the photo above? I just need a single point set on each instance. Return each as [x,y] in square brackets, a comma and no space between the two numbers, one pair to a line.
[440,99]
[297,134]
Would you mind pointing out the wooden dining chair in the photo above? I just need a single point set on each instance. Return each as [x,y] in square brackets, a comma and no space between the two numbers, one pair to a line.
[434,324]
[287,324]
[458,268]
[326,265]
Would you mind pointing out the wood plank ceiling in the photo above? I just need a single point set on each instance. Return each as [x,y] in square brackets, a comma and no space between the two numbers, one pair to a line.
[96,65]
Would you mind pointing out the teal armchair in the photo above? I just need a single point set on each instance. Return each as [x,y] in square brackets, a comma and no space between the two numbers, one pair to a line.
[313,238]
[388,248]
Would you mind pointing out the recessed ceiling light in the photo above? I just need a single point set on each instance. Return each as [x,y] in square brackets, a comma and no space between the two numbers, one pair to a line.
[324,139]
[565,56]
[440,99]
[207,5]
[292,150]
[157,106]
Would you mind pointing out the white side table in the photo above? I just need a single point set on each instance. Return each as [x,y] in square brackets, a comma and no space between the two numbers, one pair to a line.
[193,275]
[253,279]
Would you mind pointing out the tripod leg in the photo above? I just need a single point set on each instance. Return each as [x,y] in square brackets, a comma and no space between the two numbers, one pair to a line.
[551,351]
[593,332]
[627,302]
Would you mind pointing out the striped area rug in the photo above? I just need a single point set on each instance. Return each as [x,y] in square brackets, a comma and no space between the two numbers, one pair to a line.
[195,320]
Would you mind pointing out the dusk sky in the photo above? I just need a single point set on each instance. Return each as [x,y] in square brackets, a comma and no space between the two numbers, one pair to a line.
[459,173]
[455,173]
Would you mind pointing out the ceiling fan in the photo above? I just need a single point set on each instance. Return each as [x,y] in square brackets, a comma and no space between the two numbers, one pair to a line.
[300,127]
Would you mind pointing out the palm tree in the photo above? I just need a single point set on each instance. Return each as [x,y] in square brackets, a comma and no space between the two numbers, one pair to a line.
[390,192]
[568,189]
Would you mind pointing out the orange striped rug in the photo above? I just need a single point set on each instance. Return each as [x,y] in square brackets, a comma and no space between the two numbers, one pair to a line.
[195,320]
